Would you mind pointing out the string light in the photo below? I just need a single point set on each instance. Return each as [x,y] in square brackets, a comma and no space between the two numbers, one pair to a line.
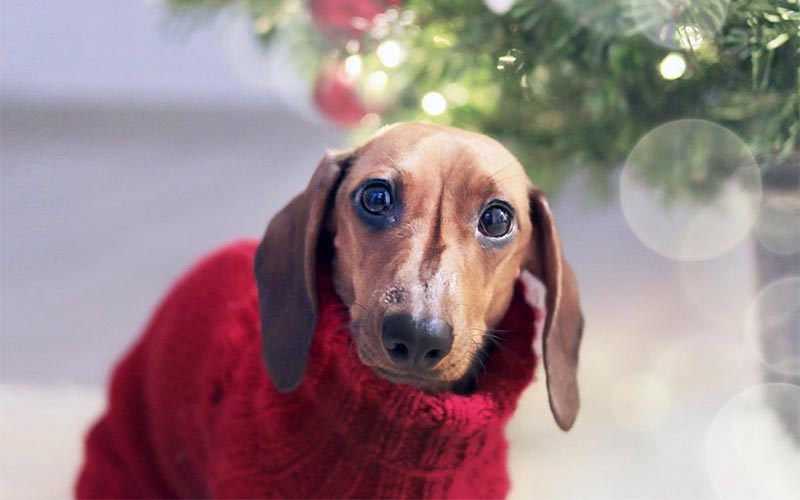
[689,37]
[442,41]
[506,60]
[434,103]
[377,81]
[263,25]
[456,94]
[374,92]
[672,67]
[352,46]
[499,7]
[390,53]
[352,66]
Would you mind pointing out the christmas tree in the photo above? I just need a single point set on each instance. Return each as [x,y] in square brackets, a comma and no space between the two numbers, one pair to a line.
[568,85]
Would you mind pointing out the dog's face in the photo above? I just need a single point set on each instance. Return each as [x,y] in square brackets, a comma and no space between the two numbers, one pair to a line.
[431,231]
[431,227]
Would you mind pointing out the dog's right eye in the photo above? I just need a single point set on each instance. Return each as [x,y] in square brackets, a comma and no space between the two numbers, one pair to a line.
[495,221]
[376,198]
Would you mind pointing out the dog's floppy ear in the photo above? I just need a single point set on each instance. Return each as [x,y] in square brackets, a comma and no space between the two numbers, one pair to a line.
[285,269]
[564,323]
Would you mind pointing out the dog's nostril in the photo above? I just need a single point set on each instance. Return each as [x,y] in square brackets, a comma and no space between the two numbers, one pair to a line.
[399,340]
[434,354]
[398,353]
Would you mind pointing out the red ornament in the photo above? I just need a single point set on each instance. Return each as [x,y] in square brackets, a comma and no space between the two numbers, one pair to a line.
[336,97]
[344,19]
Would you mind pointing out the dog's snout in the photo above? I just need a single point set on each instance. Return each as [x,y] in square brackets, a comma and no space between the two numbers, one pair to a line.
[416,344]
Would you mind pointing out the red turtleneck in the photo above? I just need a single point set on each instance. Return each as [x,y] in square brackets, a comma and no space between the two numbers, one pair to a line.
[192,412]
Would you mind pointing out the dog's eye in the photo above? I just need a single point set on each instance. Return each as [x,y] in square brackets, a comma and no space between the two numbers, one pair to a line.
[376,198]
[495,221]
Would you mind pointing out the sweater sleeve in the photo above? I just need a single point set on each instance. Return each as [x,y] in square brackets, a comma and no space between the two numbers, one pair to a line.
[146,443]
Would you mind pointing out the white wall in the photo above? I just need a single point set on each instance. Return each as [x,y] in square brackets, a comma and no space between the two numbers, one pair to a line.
[133,51]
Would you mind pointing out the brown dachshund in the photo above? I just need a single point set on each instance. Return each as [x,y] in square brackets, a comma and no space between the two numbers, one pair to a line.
[431,226]
[406,251]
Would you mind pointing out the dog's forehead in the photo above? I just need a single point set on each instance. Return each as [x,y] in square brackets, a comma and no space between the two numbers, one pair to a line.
[435,154]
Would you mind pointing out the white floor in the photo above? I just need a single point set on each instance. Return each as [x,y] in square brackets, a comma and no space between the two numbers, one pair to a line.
[103,207]
[41,430]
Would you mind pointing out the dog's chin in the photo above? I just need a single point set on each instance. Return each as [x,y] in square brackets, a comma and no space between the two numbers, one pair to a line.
[427,384]
[465,385]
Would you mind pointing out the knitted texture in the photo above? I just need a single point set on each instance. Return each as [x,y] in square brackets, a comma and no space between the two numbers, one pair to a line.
[192,412]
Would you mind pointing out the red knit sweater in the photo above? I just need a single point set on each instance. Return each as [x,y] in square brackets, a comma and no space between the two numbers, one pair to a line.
[192,412]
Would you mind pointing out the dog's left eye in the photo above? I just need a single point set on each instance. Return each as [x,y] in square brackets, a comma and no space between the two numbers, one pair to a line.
[376,198]
[495,221]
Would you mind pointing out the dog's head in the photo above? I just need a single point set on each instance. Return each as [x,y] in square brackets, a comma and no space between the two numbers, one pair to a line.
[431,228]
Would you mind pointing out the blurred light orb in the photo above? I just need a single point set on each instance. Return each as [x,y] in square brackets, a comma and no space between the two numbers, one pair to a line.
[371,121]
[749,454]
[457,94]
[774,312]
[390,53]
[690,190]
[499,7]
[672,67]
[374,90]
[352,46]
[377,81]
[641,402]
[434,103]
[778,225]
[352,66]
[722,288]
[678,24]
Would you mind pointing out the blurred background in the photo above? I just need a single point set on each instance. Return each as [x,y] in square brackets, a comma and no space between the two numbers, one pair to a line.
[136,136]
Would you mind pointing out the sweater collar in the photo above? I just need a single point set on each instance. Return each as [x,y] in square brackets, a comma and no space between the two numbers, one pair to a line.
[401,425]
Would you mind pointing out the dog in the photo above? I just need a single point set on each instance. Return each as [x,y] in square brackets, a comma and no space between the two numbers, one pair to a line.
[379,351]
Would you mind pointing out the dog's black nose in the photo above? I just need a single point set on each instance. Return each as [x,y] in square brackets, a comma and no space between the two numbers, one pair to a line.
[414,343]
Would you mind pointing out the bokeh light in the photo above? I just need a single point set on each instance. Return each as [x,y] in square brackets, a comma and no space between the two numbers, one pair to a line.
[390,53]
[749,454]
[679,24]
[371,121]
[773,325]
[499,6]
[377,81]
[352,66]
[722,288]
[641,402]
[456,94]
[672,67]
[505,61]
[375,90]
[434,103]
[778,225]
[690,190]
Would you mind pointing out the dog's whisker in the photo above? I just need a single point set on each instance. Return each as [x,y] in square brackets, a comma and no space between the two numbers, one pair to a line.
[514,176]
[509,164]
[497,341]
